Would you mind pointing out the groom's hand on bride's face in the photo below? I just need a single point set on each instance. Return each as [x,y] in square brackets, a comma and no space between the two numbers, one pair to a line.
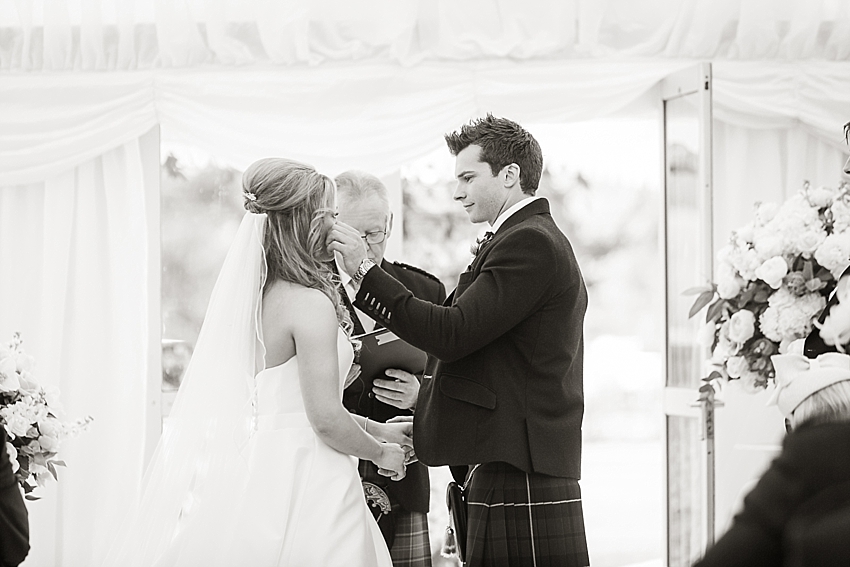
[351,247]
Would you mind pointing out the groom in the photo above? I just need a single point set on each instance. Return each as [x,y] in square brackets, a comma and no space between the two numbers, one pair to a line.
[504,398]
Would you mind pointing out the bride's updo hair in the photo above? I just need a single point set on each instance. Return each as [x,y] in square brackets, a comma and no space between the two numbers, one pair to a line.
[300,203]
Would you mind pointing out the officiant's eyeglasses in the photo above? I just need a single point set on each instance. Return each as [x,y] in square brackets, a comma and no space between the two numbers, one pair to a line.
[375,237]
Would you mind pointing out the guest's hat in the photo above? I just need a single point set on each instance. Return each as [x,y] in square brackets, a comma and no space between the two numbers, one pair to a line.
[798,377]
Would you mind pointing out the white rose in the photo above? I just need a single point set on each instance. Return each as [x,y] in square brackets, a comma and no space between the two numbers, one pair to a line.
[729,283]
[727,289]
[9,382]
[51,427]
[840,216]
[744,235]
[834,252]
[821,197]
[769,245]
[808,241]
[765,212]
[772,271]
[742,325]
[49,444]
[736,366]
[17,425]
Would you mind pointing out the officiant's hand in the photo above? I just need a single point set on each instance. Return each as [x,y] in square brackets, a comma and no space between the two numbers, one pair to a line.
[391,461]
[350,245]
[400,390]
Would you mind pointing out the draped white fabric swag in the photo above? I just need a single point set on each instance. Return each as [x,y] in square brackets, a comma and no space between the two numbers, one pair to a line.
[125,34]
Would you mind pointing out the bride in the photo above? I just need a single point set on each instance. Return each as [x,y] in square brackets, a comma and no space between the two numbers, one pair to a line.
[258,463]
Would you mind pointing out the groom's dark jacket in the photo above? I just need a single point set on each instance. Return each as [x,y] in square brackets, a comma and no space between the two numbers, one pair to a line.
[507,351]
[413,491]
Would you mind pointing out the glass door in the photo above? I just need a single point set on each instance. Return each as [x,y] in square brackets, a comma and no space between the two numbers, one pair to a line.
[688,254]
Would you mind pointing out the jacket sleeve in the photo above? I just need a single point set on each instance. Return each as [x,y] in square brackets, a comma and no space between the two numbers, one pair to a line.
[513,282]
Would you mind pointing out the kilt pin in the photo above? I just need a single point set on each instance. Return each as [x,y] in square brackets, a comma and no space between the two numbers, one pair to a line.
[503,388]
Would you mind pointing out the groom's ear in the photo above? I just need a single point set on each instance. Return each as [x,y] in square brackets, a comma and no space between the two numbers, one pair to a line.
[511,175]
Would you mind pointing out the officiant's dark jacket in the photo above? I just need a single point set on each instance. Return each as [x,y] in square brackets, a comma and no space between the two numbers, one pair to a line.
[413,491]
[506,379]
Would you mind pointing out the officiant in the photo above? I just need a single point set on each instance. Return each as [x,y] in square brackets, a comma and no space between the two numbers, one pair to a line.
[363,204]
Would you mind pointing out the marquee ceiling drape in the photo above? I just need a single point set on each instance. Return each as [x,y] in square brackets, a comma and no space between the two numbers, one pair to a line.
[373,83]
[56,35]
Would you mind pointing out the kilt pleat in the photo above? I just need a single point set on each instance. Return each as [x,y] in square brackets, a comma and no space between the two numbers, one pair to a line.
[506,527]
[412,546]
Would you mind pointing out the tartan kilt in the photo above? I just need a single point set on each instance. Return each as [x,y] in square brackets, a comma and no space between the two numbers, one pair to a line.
[406,532]
[506,528]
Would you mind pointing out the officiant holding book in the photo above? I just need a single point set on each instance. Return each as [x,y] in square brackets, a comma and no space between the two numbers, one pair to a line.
[502,400]
[363,204]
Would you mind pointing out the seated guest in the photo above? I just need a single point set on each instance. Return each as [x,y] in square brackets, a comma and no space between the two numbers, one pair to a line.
[14,522]
[799,512]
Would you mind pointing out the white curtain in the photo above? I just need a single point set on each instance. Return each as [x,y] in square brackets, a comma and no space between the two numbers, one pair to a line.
[126,34]
[73,251]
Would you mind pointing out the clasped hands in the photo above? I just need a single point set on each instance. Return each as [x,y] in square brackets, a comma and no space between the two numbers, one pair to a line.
[396,437]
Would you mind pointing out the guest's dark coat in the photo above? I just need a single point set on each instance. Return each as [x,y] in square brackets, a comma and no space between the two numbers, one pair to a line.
[799,512]
[505,379]
[413,491]
[14,521]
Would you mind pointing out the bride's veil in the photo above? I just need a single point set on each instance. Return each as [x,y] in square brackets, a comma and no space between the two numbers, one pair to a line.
[197,461]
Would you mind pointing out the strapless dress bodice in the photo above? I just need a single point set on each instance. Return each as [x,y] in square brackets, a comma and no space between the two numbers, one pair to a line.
[278,388]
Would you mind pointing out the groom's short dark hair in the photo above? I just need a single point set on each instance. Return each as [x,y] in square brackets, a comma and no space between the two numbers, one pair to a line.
[502,143]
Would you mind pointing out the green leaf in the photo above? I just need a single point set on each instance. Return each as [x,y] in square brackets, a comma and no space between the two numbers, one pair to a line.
[747,295]
[808,273]
[715,310]
[31,497]
[52,470]
[59,463]
[824,275]
[701,301]
[715,375]
[698,289]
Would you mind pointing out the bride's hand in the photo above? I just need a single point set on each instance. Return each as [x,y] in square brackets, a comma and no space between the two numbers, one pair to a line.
[400,433]
[391,461]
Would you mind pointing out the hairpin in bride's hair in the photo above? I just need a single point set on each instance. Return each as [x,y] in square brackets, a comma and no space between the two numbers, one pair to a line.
[251,204]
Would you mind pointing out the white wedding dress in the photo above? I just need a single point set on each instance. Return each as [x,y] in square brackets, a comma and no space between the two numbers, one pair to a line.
[302,502]
[239,477]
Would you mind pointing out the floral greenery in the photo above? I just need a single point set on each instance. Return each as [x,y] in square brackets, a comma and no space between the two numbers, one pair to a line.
[773,280]
[27,411]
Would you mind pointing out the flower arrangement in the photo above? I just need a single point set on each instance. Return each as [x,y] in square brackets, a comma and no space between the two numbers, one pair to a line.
[28,412]
[772,282]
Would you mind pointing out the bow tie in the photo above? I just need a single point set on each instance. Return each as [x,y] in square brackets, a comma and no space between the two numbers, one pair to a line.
[480,243]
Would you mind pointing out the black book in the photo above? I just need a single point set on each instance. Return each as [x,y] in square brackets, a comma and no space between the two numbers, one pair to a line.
[382,349]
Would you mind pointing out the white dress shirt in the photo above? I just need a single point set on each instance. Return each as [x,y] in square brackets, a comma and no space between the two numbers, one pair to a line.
[347,284]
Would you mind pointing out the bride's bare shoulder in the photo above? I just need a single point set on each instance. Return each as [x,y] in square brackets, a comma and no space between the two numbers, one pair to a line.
[286,300]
